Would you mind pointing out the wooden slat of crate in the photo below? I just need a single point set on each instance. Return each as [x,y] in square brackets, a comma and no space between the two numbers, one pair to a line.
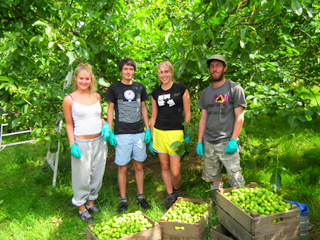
[153,233]
[255,224]
[192,231]
[241,233]
[219,232]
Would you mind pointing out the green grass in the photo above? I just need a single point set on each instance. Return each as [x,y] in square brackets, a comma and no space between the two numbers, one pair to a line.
[32,209]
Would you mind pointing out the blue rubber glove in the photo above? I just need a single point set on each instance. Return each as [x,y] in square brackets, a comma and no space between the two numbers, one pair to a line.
[232,146]
[147,136]
[105,131]
[75,151]
[200,149]
[112,140]
[186,138]
[150,148]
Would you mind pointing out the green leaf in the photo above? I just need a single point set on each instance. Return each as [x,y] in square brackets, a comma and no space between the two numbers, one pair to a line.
[135,33]
[242,43]
[275,180]
[51,44]
[277,8]
[182,68]
[181,50]
[34,39]
[296,7]
[308,118]
[249,164]
[210,34]
[183,157]
[160,42]
[301,118]
[293,122]
[4,79]
[228,6]
[39,23]
[53,145]
[15,122]
[181,152]
[244,57]
[243,32]
[167,37]
[102,82]
[75,16]
[176,144]
[71,56]
[202,64]
[82,42]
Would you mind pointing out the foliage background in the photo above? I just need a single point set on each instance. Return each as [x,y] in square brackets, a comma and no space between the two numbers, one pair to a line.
[272,49]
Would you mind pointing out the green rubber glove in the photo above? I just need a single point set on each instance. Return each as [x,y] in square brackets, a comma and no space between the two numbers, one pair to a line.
[232,146]
[147,136]
[186,138]
[150,148]
[112,140]
[105,131]
[75,151]
[200,149]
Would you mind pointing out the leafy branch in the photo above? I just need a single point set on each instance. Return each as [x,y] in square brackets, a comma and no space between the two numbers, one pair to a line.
[184,148]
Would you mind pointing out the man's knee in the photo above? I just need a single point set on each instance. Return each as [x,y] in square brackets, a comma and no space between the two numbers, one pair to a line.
[236,179]
[138,166]
[122,169]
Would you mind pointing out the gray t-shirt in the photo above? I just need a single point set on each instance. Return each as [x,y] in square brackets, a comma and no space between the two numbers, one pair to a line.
[220,104]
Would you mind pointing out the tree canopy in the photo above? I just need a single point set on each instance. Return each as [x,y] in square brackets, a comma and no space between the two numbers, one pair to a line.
[272,49]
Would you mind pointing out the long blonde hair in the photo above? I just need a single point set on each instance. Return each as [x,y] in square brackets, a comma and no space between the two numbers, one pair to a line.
[85,67]
[168,64]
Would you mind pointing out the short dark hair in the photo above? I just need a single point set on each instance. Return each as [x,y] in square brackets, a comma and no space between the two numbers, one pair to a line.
[127,61]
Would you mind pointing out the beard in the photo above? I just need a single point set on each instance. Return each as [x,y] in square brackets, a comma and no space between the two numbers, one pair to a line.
[217,78]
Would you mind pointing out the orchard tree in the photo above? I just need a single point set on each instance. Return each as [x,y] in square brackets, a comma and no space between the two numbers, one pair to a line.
[272,49]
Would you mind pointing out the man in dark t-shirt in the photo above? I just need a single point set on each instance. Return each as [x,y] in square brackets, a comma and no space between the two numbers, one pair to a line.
[126,99]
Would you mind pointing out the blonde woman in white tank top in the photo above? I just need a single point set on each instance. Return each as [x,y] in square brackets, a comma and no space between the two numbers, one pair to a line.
[87,132]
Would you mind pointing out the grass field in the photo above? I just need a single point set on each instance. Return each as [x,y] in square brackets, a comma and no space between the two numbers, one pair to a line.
[32,209]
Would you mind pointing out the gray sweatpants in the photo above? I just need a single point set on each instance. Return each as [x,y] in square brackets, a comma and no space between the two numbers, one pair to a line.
[87,172]
[215,158]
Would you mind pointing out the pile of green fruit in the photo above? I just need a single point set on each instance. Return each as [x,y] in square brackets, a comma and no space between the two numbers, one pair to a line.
[124,225]
[186,212]
[257,200]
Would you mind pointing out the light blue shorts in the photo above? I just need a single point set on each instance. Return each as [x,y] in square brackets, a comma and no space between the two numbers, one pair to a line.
[130,145]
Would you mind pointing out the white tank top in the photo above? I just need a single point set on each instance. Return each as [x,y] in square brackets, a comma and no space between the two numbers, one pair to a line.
[86,118]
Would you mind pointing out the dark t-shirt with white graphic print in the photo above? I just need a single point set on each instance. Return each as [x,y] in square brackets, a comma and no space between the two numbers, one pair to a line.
[170,107]
[127,105]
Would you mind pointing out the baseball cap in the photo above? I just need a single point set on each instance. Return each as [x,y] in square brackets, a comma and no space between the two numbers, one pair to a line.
[217,57]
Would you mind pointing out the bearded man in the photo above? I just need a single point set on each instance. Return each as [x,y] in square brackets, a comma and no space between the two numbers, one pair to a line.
[222,107]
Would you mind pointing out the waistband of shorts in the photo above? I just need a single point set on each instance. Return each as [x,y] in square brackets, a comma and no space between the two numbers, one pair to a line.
[88,140]
[218,141]
[171,130]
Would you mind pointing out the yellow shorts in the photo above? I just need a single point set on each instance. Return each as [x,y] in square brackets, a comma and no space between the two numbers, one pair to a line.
[163,139]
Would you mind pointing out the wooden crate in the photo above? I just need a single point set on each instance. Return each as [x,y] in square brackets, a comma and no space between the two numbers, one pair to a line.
[153,233]
[253,223]
[239,232]
[219,232]
[191,231]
